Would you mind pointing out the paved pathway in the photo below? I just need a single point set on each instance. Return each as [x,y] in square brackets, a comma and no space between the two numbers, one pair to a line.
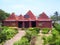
[15,38]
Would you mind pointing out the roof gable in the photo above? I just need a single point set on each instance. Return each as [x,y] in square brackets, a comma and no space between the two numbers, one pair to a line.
[12,17]
[28,17]
[43,17]
[20,17]
[31,15]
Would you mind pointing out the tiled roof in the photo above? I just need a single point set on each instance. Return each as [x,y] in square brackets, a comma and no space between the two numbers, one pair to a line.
[44,20]
[12,17]
[43,17]
[31,15]
[20,18]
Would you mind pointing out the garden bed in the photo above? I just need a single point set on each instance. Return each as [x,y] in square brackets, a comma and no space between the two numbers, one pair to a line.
[29,38]
[7,33]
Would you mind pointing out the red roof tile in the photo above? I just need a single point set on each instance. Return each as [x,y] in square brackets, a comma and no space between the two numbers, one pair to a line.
[25,19]
[28,17]
[43,17]
[31,15]
[12,17]
[20,18]
[44,20]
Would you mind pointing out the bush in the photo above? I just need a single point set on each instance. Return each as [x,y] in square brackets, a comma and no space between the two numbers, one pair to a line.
[23,28]
[22,41]
[53,39]
[7,33]
[49,40]
[57,26]
[45,40]
[30,34]
[2,38]
[45,30]
[55,32]
[35,28]
[0,28]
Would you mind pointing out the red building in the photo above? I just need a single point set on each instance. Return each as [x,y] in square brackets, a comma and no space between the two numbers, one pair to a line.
[28,20]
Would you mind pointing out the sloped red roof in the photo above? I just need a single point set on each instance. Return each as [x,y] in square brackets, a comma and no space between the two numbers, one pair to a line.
[31,15]
[20,18]
[43,17]
[25,19]
[12,17]
[28,17]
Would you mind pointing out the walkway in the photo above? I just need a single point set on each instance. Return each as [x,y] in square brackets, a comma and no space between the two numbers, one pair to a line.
[39,40]
[15,38]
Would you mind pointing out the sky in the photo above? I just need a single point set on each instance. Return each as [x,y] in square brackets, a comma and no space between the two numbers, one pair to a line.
[36,6]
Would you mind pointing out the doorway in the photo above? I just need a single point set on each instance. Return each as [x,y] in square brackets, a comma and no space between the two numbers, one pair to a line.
[26,24]
[33,23]
[20,24]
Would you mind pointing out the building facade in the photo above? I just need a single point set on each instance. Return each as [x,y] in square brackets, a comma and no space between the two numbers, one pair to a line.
[28,20]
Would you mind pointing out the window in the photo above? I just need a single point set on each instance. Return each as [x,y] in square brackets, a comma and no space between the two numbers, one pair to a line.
[26,16]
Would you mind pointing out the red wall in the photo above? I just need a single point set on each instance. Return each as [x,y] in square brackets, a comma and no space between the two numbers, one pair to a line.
[44,24]
[11,23]
[40,24]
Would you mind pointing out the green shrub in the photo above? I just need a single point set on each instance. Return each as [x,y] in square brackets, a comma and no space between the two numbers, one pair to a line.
[23,28]
[22,41]
[30,29]
[55,32]
[35,28]
[49,40]
[45,40]
[53,39]
[30,34]
[2,38]
[0,28]
[57,26]
[45,30]
[7,33]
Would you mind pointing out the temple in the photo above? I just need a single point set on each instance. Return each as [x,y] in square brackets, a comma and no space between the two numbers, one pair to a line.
[28,20]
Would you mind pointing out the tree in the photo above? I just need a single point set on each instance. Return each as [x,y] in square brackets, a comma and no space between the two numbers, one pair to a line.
[56,14]
[53,17]
[3,15]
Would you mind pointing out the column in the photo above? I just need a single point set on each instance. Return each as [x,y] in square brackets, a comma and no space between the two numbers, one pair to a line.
[17,23]
[29,23]
[36,24]
[23,24]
